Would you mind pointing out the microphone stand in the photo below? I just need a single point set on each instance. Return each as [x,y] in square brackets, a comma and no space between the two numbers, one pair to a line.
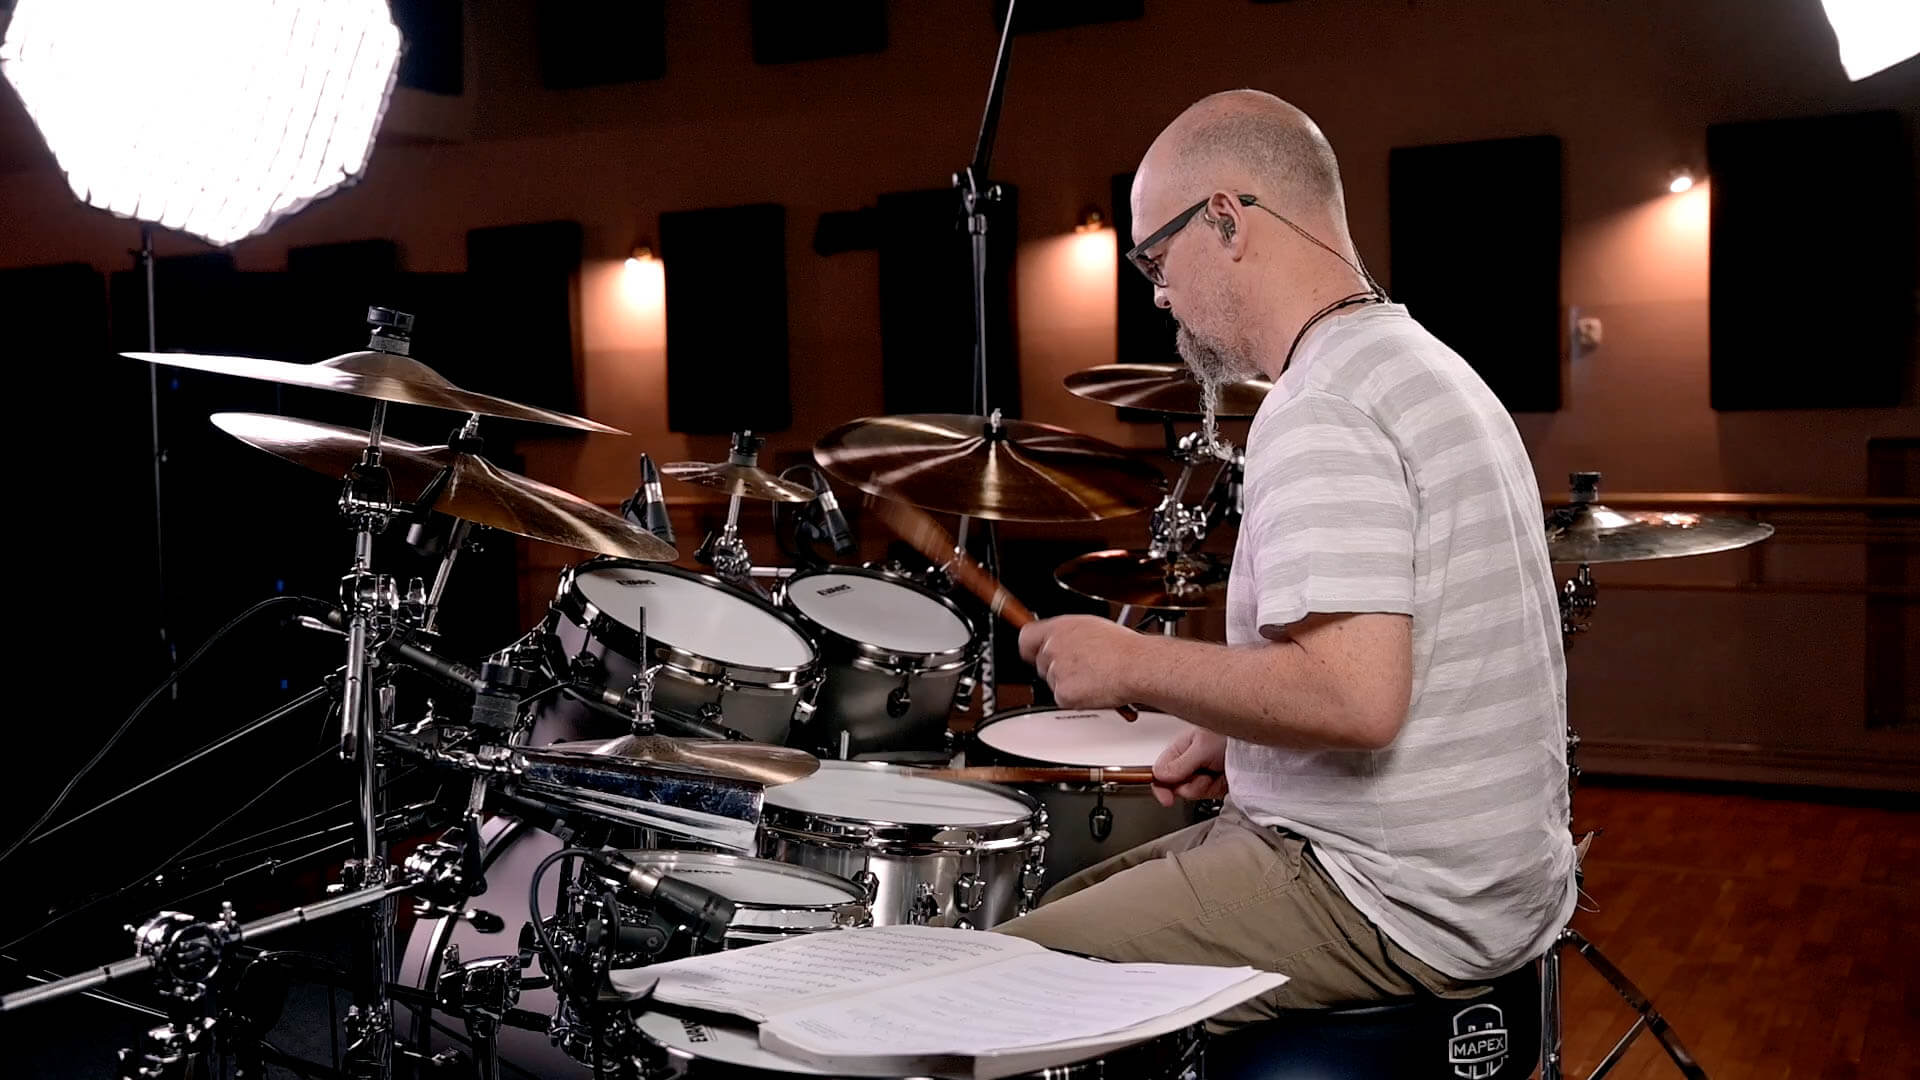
[976,193]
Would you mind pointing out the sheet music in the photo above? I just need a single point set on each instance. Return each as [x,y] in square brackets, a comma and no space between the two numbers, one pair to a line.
[758,982]
[1027,1001]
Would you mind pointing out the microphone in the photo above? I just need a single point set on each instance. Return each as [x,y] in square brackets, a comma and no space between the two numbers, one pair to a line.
[647,507]
[833,522]
[706,913]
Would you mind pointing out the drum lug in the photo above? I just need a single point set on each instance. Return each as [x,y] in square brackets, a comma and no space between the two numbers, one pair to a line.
[963,690]
[1100,819]
[803,711]
[963,925]
[924,908]
[868,883]
[710,712]
[900,698]
[969,892]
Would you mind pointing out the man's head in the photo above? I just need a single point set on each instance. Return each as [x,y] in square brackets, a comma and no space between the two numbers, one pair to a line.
[1237,278]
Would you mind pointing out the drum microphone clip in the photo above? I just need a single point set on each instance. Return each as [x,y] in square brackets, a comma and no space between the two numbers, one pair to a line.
[706,914]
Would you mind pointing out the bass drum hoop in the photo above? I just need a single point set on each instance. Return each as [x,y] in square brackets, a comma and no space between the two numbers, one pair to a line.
[571,602]
[907,838]
[867,656]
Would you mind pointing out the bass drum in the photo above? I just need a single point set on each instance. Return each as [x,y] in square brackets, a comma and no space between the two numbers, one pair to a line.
[725,655]
[894,656]
[1088,823]
[774,900]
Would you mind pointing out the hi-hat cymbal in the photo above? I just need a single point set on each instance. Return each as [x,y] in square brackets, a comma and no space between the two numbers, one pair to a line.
[1164,388]
[1005,470]
[1584,531]
[760,763]
[378,375]
[477,491]
[748,481]
[1190,582]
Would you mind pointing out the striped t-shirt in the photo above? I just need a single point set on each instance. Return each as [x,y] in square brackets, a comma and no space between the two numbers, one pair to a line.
[1383,476]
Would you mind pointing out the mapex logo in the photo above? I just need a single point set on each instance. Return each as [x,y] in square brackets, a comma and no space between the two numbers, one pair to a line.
[1479,1044]
[831,589]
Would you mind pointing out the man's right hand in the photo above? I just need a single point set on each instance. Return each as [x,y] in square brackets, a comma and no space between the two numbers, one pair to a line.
[1193,766]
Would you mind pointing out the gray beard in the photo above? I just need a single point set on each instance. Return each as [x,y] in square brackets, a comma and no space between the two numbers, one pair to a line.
[1214,365]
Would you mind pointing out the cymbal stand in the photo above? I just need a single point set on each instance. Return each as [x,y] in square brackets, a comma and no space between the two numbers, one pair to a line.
[725,551]
[1578,599]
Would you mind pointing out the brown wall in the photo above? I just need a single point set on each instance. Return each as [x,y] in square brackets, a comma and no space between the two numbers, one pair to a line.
[1628,87]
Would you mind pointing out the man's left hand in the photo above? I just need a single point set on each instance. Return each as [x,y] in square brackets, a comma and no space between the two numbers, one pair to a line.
[1088,661]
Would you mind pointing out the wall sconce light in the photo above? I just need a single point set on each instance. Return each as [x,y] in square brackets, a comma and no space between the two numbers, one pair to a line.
[642,252]
[1680,180]
[1091,220]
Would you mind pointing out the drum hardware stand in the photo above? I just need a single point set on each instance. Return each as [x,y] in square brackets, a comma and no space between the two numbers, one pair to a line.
[724,551]
[1579,597]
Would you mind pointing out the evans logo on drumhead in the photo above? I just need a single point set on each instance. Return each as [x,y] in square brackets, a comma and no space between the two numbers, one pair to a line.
[1479,1044]
[634,582]
[831,589]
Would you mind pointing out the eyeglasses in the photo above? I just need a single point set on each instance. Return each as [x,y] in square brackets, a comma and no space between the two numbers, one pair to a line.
[1148,264]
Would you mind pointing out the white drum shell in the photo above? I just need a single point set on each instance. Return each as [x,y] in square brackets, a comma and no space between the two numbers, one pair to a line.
[970,869]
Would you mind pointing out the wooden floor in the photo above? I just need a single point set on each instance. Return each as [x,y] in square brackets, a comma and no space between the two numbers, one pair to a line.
[1780,938]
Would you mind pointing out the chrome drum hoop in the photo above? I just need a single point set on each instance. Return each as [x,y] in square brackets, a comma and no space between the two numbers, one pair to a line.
[836,647]
[803,918]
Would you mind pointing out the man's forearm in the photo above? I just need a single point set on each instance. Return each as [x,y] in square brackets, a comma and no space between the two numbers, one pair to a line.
[1273,693]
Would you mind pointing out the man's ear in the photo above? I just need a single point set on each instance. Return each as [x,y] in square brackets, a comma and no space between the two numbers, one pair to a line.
[1223,215]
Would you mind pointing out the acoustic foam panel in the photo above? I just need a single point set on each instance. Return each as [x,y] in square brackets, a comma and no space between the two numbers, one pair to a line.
[599,44]
[1037,15]
[784,32]
[520,314]
[435,56]
[1811,282]
[926,303]
[727,319]
[1476,257]
[1144,332]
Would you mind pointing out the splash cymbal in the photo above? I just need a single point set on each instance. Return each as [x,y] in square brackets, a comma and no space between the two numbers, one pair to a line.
[477,490]
[1190,582]
[377,375]
[747,481]
[1585,531]
[1004,470]
[1163,388]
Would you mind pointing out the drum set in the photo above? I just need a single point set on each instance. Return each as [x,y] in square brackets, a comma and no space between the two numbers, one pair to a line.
[681,759]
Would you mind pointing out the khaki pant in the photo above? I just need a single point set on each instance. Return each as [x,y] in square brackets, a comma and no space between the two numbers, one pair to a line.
[1228,891]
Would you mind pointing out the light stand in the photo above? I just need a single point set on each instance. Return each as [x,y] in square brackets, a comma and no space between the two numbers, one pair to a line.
[1578,599]
[144,257]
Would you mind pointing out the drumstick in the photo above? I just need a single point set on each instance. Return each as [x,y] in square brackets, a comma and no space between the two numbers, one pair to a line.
[918,528]
[1041,774]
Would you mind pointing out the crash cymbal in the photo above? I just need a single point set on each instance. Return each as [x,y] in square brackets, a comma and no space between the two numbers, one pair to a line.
[1191,582]
[1005,470]
[1163,388]
[760,763]
[378,375]
[478,491]
[748,481]
[1585,531]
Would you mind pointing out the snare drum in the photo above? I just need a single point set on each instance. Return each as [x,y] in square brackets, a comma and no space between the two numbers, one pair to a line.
[773,900]
[925,851]
[894,656]
[696,1046]
[730,656]
[1087,823]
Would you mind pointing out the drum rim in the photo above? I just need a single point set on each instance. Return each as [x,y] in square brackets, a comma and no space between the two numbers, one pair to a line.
[993,755]
[881,835]
[571,601]
[866,653]
[848,913]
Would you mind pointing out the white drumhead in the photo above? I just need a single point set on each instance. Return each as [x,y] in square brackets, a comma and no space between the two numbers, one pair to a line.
[885,614]
[727,1040]
[751,881]
[866,792]
[1099,738]
[708,621]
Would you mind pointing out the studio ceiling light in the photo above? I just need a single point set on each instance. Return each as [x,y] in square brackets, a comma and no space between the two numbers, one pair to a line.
[213,117]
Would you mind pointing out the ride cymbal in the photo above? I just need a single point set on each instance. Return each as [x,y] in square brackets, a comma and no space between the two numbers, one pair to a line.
[1190,582]
[378,375]
[1164,388]
[986,467]
[1584,531]
[477,491]
[747,481]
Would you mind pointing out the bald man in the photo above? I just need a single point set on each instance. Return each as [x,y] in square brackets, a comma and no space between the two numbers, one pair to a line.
[1386,720]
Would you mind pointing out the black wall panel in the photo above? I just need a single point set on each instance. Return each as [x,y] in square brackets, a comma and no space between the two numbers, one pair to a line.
[726,319]
[1811,290]
[521,313]
[596,44]
[926,303]
[784,31]
[1144,333]
[435,35]
[1037,15]
[1476,257]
